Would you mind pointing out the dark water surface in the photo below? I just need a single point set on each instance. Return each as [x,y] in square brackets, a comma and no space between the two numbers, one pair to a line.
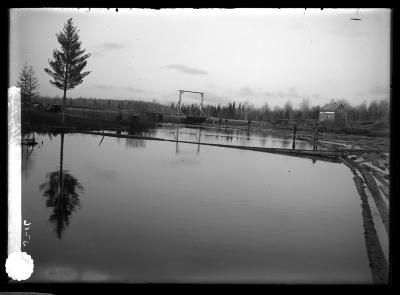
[147,211]
[222,135]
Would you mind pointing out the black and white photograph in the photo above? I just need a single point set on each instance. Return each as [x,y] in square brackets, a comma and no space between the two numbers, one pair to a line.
[199,146]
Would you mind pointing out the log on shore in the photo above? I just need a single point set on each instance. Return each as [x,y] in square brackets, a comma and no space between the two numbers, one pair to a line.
[377,261]
[373,188]
[380,203]
[380,178]
[381,172]
[385,191]
[348,164]
[262,149]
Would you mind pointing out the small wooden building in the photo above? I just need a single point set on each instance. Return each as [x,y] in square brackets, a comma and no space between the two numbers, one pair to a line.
[341,113]
[333,112]
[326,116]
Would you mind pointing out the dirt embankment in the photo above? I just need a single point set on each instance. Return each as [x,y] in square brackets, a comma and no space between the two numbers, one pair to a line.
[380,128]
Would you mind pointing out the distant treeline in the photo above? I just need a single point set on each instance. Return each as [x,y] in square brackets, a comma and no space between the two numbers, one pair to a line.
[375,110]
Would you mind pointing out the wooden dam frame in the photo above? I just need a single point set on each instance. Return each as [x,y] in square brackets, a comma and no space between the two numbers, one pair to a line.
[178,105]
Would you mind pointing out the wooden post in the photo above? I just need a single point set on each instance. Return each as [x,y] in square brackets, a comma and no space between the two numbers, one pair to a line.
[294,136]
[179,102]
[61,186]
[198,146]
[315,140]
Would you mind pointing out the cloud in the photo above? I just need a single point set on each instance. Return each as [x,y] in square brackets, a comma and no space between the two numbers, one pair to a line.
[100,86]
[247,91]
[316,96]
[260,96]
[375,91]
[293,93]
[96,53]
[359,34]
[129,88]
[212,97]
[279,94]
[380,90]
[256,92]
[349,32]
[185,69]
[110,87]
[107,174]
[113,45]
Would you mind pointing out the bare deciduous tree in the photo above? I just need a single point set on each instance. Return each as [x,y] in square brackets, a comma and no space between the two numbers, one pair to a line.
[28,84]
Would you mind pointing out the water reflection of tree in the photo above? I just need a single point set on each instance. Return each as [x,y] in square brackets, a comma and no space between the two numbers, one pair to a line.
[138,131]
[135,143]
[26,153]
[301,145]
[26,163]
[61,191]
[286,143]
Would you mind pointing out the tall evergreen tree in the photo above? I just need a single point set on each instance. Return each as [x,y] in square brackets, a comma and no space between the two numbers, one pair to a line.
[68,63]
[28,84]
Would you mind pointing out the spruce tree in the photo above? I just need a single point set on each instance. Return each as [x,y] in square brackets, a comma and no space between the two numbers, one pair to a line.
[68,63]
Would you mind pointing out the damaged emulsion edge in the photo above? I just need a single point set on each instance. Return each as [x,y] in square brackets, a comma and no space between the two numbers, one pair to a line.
[14,170]
[19,265]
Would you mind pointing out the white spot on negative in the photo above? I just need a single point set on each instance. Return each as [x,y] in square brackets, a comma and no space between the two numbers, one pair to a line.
[19,266]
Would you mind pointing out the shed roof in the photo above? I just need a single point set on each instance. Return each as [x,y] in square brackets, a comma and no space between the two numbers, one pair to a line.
[331,107]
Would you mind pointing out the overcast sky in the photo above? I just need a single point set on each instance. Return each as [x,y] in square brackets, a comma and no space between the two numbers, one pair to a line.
[254,55]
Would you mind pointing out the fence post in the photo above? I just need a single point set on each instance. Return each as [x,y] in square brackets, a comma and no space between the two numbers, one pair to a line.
[294,136]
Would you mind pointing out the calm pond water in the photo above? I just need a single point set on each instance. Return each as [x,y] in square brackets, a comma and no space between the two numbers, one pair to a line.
[221,135]
[148,211]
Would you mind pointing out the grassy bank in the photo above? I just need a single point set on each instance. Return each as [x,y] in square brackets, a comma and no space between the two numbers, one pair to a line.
[88,120]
